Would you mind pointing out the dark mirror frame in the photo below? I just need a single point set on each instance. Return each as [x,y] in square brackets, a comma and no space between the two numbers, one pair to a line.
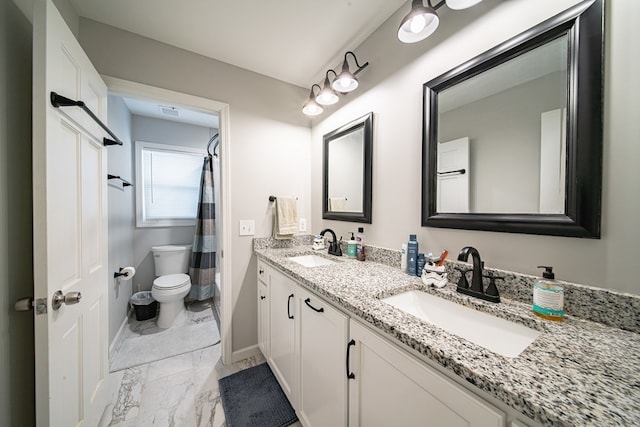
[584,25]
[365,122]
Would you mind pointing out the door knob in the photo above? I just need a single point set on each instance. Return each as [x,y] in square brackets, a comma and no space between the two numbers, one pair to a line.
[69,299]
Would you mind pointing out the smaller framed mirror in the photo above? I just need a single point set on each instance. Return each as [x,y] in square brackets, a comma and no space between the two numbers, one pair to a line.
[347,172]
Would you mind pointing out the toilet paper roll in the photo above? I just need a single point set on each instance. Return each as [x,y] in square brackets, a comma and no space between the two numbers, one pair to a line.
[129,273]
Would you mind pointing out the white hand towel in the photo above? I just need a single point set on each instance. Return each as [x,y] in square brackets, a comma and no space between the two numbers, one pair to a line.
[337,204]
[285,218]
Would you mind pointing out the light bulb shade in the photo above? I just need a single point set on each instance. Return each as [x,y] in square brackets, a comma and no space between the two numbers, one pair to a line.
[327,96]
[461,4]
[345,82]
[311,108]
[419,24]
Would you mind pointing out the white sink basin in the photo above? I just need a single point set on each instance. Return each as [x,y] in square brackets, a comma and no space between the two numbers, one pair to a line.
[501,336]
[311,260]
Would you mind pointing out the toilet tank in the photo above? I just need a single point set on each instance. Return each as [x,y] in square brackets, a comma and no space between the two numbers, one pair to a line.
[171,259]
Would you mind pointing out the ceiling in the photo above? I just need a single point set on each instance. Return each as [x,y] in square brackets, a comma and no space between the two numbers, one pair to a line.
[295,41]
[172,113]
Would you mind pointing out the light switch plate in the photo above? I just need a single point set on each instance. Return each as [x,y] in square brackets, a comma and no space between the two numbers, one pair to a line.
[247,227]
[302,224]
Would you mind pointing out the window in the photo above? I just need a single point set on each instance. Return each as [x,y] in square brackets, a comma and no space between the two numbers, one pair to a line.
[168,179]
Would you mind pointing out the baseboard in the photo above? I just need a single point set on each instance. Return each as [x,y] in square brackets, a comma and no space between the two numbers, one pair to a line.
[113,346]
[245,353]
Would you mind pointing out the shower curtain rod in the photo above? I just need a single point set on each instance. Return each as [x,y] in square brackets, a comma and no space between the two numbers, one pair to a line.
[62,101]
[214,146]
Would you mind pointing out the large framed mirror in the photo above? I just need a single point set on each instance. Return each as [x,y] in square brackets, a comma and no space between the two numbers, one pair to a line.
[347,172]
[512,139]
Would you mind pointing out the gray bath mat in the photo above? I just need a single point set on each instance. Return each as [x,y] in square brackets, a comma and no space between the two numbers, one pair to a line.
[176,340]
[253,398]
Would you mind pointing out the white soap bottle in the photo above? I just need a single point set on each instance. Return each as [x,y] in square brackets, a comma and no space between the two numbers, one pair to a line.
[548,296]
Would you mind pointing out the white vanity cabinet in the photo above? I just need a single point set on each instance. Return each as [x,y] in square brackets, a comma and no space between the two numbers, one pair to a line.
[323,333]
[389,387]
[283,310]
[264,300]
[335,371]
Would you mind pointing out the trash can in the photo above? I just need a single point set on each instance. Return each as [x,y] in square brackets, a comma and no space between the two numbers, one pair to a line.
[145,306]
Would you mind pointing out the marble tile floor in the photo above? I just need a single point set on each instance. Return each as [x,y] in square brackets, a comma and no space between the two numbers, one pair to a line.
[196,312]
[143,342]
[179,391]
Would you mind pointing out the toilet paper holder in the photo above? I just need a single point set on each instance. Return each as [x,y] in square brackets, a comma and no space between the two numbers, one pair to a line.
[120,273]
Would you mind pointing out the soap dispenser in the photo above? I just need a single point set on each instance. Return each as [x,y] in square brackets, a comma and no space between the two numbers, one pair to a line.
[548,296]
[352,247]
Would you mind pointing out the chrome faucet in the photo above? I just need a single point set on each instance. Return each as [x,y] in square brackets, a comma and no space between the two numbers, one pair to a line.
[334,246]
[477,288]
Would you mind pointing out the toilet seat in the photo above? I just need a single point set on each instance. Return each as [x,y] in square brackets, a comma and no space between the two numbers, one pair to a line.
[171,281]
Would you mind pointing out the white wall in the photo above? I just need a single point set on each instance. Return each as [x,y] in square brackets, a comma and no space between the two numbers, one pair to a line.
[121,213]
[158,131]
[16,268]
[391,87]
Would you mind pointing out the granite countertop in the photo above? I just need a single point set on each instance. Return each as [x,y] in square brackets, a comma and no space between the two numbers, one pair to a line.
[577,372]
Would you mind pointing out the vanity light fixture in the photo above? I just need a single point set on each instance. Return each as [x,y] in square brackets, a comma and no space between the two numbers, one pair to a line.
[423,20]
[346,81]
[327,96]
[342,83]
[312,108]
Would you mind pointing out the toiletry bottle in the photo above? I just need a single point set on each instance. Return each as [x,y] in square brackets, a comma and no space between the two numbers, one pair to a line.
[420,264]
[548,296]
[360,242]
[403,258]
[352,247]
[412,255]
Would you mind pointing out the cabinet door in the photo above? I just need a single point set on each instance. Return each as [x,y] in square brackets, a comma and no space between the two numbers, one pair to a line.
[282,314]
[392,388]
[263,309]
[323,379]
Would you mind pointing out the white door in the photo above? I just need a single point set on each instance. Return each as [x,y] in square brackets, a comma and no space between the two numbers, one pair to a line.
[283,313]
[264,300]
[553,159]
[70,228]
[323,384]
[453,176]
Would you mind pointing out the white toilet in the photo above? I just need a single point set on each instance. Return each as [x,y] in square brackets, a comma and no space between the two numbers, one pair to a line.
[172,283]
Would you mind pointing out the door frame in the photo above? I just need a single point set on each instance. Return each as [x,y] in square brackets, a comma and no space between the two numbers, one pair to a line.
[126,88]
